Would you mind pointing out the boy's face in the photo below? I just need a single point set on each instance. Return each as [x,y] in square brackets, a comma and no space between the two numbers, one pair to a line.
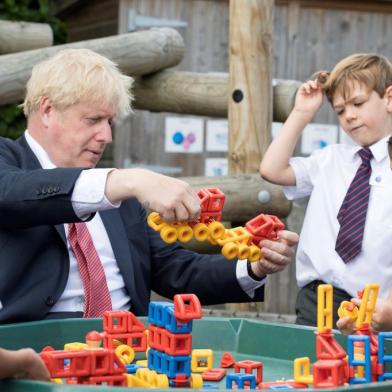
[364,116]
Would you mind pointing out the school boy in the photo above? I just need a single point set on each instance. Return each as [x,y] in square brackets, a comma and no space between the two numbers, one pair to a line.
[346,239]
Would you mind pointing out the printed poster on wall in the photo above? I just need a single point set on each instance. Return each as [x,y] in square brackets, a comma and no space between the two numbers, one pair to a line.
[217,135]
[184,134]
[216,167]
[316,136]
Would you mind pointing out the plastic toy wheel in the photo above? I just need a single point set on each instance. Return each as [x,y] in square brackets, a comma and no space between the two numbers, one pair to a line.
[348,309]
[243,251]
[230,250]
[169,234]
[254,253]
[201,231]
[217,230]
[185,233]
[162,381]
[196,381]
[125,353]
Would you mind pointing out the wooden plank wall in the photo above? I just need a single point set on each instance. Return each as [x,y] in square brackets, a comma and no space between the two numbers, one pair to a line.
[308,36]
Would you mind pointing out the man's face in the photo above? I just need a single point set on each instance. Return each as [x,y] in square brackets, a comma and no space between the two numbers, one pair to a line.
[364,116]
[78,135]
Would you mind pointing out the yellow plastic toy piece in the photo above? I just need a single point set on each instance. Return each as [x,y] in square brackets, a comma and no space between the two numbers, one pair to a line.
[196,381]
[230,250]
[185,233]
[201,231]
[368,304]
[202,360]
[254,253]
[155,222]
[75,346]
[324,307]
[142,362]
[243,251]
[217,230]
[302,370]
[348,309]
[125,353]
[57,380]
[147,378]
[169,234]
[136,382]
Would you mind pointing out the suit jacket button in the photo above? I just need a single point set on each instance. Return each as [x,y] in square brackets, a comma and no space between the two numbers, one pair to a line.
[49,301]
[38,192]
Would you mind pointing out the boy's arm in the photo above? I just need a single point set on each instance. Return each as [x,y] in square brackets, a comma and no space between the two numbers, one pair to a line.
[275,164]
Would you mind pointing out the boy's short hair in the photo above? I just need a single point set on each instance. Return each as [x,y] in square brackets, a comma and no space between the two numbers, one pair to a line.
[372,70]
[78,75]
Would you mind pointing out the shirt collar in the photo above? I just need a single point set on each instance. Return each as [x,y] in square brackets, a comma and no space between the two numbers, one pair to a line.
[39,152]
[380,149]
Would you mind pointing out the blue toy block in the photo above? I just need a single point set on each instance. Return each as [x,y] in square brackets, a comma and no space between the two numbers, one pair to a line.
[382,357]
[240,379]
[155,360]
[174,365]
[172,325]
[360,362]
[280,387]
[156,312]
[131,368]
[210,386]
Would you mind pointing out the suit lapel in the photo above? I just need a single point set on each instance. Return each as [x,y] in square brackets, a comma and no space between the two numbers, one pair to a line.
[119,241]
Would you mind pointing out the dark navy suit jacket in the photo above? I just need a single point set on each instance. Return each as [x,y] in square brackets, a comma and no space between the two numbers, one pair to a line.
[34,261]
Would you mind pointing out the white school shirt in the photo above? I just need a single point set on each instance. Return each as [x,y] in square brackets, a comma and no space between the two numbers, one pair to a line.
[88,197]
[326,176]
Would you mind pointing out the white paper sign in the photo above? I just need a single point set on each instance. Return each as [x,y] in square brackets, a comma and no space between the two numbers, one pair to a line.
[317,136]
[184,134]
[216,167]
[217,135]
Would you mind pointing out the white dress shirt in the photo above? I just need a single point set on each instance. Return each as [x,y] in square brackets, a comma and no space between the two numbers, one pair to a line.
[88,197]
[326,176]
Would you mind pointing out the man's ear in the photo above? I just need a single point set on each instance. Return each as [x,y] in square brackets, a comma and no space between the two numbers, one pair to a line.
[45,110]
[388,97]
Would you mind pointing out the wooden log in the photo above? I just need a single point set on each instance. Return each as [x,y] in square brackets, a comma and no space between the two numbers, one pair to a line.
[204,94]
[246,196]
[20,36]
[250,83]
[136,53]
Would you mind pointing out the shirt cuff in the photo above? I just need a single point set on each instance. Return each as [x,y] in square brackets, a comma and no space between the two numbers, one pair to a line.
[247,284]
[88,195]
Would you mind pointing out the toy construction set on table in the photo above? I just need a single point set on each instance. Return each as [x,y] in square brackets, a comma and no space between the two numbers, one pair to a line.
[239,242]
[172,362]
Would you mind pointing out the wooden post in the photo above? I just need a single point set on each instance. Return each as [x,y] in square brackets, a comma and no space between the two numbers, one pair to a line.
[136,54]
[202,94]
[20,36]
[250,83]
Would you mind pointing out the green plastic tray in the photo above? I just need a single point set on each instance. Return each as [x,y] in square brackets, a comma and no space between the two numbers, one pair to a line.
[276,345]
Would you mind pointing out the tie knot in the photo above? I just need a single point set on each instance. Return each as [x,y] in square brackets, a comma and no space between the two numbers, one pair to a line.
[365,154]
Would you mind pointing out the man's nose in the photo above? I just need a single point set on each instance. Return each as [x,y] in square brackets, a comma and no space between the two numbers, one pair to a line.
[105,133]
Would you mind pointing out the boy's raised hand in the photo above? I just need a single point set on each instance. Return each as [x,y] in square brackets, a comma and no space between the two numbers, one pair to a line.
[309,99]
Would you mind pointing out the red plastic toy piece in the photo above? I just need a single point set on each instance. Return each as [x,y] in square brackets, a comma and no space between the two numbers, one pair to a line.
[264,226]
[227,360]
[115,321]
[329,373]
[213,375]
[94,339]
[186,307]
[249,366]
[327,347]
[279,383]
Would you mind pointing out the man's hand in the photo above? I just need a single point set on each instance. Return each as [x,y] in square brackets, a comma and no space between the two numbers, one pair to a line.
[346,326]
[276,254]
[173,199]
[22,364]
[382,316]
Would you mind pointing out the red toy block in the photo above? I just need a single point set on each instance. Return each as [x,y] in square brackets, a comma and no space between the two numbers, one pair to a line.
[119,380]
[327,347]
[80,363]
[328,373]
[264,226]
[249,366]
[213,374]
[136,340]
[177,343]
[365,330]
[280,383]
[211,199]
[115,321]
[156,335]
[227,360]
[134,324]
[181,381]
[207,217]
[186,307]
[101,362]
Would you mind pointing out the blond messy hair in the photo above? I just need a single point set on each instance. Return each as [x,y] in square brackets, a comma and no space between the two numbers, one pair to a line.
[372,70]
[78,75]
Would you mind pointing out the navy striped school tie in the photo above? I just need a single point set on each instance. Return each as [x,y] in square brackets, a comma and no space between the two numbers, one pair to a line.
[352,213]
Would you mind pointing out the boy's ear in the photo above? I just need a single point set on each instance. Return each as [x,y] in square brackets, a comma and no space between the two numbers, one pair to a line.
[388,97]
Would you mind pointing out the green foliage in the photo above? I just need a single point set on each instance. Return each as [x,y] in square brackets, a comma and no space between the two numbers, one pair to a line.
[12,120]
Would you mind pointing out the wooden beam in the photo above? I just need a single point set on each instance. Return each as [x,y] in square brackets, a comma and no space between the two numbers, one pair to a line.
[246,196]
[136,53]
[250,90]
[201,94]
[20,36]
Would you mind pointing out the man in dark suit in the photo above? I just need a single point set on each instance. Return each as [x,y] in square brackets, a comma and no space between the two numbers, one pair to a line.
[48,182]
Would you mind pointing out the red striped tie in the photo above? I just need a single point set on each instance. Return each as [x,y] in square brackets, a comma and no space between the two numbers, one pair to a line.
[96,292]
[352,213]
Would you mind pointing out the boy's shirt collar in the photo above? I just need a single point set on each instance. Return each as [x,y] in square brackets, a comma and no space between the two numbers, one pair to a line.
[379,149]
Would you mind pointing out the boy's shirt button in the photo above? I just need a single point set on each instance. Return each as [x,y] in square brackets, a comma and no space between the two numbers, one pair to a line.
[378,179]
